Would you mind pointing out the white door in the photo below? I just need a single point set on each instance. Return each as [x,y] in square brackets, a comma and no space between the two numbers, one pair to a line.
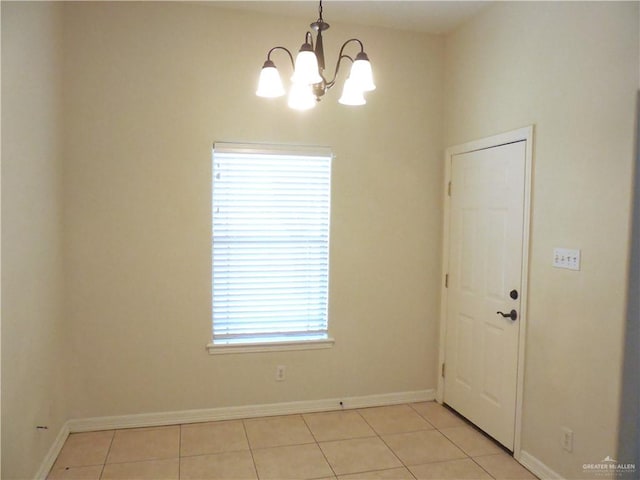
[485,266]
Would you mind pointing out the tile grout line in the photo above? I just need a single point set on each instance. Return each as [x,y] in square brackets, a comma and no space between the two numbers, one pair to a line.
[319,447]
[439,430]
[394,454]
[466,423]
[385,444]
[461,449]
[484,469]
[179,451]
[104,464]
[246,437]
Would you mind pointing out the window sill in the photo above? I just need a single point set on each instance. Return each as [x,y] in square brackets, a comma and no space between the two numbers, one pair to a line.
[270,347]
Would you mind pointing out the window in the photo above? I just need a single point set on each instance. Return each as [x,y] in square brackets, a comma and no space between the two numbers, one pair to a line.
[270,247]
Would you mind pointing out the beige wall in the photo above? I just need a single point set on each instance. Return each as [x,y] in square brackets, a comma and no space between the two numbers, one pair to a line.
[148,89]
[629,434]
[33,330]
[571,69]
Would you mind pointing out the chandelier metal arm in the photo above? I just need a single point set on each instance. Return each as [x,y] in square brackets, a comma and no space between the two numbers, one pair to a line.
[335,75]
[341,55]
[293,65]
[349,41]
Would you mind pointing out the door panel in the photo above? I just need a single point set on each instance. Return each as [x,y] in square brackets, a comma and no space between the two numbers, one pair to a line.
[485,264]
[464,346]
[493,355]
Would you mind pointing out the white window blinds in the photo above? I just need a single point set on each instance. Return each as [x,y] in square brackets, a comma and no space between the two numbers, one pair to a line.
[270,243]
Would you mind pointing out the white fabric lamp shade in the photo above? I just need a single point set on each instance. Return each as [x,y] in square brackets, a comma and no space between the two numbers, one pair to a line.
[270,83]
[301,97]
[361,73]
[352,94]
[306,69]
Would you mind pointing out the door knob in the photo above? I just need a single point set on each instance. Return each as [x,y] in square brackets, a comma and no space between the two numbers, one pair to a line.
[513,315]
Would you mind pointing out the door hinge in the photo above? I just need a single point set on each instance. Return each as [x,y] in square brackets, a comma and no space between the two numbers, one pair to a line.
[443,370]
[449,189]
[446,281]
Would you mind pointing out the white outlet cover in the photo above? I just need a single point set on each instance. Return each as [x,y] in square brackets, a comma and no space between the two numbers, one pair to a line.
[568,258]
[567,439]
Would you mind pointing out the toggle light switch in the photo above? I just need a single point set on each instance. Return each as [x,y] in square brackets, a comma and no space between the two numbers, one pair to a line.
[566,258]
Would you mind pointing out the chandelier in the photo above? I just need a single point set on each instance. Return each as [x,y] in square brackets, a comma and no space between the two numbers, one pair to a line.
[308,83]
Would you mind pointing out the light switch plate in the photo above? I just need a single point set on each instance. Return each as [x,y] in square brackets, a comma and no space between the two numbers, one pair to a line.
[568,258]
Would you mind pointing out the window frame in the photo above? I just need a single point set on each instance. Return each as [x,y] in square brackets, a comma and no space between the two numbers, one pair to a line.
[262,346]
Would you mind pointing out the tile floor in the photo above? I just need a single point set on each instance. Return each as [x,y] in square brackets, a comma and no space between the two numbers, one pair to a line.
[411,441]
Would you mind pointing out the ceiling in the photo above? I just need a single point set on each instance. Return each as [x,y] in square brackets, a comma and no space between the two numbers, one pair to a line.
[434,17]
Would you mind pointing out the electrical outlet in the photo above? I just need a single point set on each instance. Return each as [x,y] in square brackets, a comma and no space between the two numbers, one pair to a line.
[567,439]
[280,371]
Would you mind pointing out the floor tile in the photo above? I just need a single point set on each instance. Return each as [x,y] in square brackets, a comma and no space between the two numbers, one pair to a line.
[504,467]
[337,425]
[464,469]
[394,419]
[437,415]
[84,449]
[415,448]
[391,442]
[76,473]
[392,474]
[471,441]
[221,466]
[277,431]
[139,444]
[148,470]
[359,455]
[292,462]
[213,437]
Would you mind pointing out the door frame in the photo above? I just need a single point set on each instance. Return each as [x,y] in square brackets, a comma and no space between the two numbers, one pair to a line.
[522,134]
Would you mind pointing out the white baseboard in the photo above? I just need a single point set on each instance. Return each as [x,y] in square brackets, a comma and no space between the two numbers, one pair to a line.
[538,468]
[248,411]
[53,453]
[222,413]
